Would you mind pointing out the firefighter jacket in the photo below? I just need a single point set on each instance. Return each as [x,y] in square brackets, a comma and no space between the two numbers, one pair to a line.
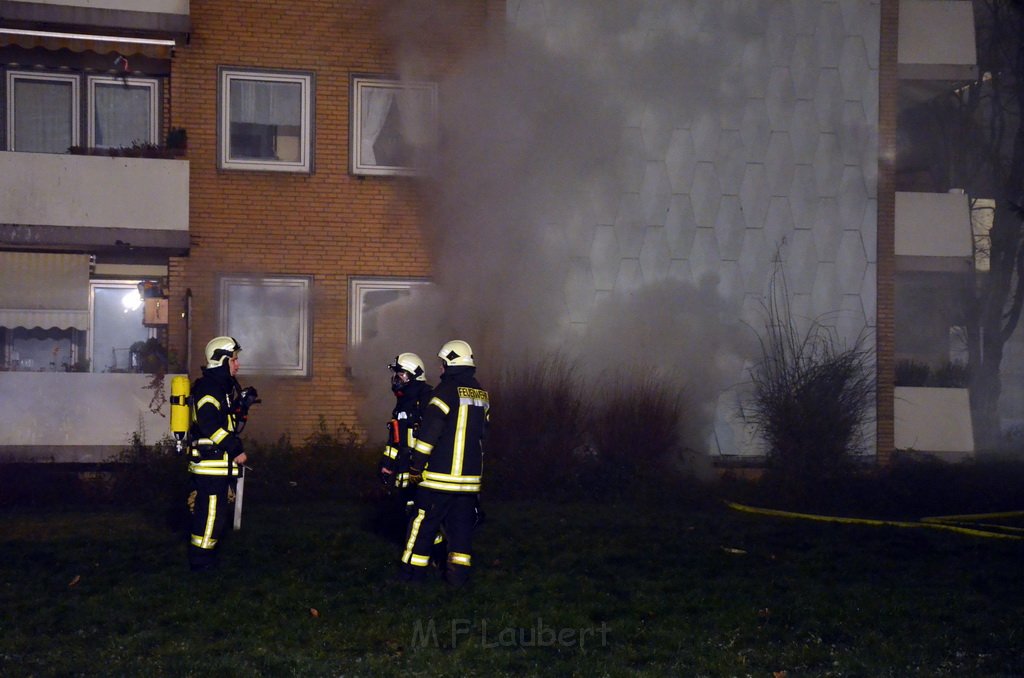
[449,444]
[215,442]
[405,420]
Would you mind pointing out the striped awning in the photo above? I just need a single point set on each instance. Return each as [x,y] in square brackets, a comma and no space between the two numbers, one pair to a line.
[44,290]
[157,48]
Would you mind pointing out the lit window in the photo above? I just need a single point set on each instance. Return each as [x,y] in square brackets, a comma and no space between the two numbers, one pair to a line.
[117,330]
[269,316]
[42,112]
[266,120]
[368,296]
[122,112]
[394,126]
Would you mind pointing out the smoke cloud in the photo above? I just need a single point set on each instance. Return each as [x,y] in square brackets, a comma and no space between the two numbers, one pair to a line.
[547,135]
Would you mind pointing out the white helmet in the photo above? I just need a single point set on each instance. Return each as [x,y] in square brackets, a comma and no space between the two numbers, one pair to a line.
[220,350]
[456,353]
[411,363]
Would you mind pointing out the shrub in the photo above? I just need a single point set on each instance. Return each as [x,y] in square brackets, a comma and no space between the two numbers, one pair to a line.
[556,435]
[635,433]
[329,464]
[532,445]
[811,401]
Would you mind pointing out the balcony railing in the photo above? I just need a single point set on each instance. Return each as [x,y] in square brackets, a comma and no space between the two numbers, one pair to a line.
[166,17]
[933,232]
[54,199]
[78,417]
[935,421]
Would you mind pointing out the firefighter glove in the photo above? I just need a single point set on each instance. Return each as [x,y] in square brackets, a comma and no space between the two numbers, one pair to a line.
[386,471]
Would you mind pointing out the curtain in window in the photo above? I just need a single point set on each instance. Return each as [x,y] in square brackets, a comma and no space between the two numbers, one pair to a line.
[374,108]
[266,103]
[122,115]
[43,114]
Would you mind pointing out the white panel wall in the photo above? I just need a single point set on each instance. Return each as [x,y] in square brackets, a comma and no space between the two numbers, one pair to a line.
[784,160]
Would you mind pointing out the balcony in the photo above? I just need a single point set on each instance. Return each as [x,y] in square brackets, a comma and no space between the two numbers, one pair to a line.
[146,17]
[933,232]
[934,421]
[94,202]
[72,417]
[936,40]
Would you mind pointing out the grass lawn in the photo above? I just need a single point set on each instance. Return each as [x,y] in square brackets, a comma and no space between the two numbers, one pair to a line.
[574,589]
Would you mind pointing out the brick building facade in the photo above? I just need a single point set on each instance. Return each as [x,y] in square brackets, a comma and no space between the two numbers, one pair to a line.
[327,224]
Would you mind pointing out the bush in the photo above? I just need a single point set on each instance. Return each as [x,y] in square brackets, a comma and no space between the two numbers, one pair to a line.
[533,445]
[811,400]
[330,464]
[635,434]
[555,435]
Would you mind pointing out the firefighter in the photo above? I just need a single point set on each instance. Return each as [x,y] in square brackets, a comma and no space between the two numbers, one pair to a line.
[447,466]
[409,384]
[215,451]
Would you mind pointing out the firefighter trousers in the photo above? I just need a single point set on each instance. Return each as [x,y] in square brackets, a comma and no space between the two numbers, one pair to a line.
[209,506]
[455,514]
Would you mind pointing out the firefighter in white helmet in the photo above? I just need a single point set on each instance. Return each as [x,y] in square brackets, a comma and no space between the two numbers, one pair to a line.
[219,407]
[409,384]
[447,466]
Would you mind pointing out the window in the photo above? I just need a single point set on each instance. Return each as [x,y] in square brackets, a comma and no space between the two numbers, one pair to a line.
[122,112]
[394,126]
[269,316]
[42,112]
[35,349]
[117,329]
[266,120]
[367,296]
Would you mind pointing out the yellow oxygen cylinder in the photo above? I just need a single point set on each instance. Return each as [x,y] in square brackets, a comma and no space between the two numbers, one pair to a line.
[180,415]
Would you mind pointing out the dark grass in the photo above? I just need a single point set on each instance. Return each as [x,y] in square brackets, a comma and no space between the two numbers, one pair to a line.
[679,589]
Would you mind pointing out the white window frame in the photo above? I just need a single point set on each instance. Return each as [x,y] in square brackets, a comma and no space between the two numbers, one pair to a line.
[90,335]
[306,80]
[154,105]
[360,86]
[359,287]
[14,76]
[303,323]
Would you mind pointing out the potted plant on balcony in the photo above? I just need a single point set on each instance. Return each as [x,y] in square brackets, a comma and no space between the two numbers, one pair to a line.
[177,141]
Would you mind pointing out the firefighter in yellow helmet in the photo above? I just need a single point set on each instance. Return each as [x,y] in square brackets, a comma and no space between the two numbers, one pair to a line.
[447,466]
[215,452]
[409,384]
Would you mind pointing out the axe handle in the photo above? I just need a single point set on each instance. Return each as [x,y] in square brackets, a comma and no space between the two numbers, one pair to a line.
[239,493]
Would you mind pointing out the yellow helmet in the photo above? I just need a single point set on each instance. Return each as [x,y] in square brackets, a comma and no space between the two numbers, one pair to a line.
[456,353]
[411,363]
[220,349]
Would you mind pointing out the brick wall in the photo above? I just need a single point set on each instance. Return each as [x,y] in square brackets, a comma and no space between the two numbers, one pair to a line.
[328,225]
[887,113]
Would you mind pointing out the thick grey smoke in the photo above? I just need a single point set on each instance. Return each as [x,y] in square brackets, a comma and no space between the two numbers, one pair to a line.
[545,142]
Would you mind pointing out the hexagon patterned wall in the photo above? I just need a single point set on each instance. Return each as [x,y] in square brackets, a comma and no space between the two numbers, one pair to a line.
[624,180]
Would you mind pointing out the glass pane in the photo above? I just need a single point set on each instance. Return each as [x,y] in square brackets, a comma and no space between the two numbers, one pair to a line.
[268,319]
[266,120]
[373,302]
[43,116]
[116,325]
[39,350]
[123,115]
